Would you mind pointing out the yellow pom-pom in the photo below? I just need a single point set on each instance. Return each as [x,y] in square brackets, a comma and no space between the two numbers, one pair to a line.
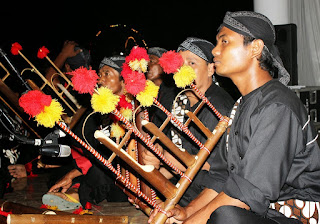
[139,65]
[117,131]
[50,115]
[134,65]
[143,65]
[146,96]
[185,76]
[104,102]
[127,113]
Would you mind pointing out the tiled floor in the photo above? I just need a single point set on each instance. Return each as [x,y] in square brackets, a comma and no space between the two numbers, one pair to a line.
[35,187]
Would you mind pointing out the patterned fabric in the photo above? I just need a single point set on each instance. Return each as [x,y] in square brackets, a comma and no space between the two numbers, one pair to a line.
[178,110]
[114,62]
[305,211]
[232,115]
[200,47]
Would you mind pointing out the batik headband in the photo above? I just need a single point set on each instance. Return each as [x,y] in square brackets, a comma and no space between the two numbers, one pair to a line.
[199,47]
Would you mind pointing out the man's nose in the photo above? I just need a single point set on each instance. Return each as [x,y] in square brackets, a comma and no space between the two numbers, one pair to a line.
[215,51]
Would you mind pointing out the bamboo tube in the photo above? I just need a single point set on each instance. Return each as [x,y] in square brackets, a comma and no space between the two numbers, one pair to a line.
[132,152]
[46,82]
[64,219]
[184,156]
[16,208]
[148,172]
[142,206]
[184,183]
[200,125]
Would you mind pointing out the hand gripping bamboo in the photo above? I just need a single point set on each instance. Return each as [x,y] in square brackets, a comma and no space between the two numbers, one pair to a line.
[184,183]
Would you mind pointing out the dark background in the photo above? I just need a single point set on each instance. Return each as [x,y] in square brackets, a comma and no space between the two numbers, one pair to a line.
[160,23]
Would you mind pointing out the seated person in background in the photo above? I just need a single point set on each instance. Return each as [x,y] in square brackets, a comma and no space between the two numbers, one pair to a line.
[70,58]
[271,153]
[97,182]
[17,160]
[155,72]
[196,53]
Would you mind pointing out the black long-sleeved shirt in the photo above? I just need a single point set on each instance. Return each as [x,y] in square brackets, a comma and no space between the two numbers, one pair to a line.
[219,98]
[272,151]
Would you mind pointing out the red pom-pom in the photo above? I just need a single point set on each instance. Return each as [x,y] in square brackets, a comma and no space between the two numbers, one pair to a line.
[34,101]
[126,70]
[123,103]
[137,53]
[135,82]
[84,80]
[15,48]
[42,52]
[170,61]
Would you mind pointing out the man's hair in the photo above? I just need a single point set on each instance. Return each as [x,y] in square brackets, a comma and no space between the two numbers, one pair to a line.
[266,60]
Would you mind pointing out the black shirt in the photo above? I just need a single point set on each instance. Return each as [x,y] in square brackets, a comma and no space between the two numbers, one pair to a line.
[272,155]
[219,98]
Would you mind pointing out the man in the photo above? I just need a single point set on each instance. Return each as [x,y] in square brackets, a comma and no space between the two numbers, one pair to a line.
[96,183]
[271,152]
[155,72]
[70,58]
[196,53]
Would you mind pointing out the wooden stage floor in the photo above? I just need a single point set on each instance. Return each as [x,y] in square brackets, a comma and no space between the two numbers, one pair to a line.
[34,187]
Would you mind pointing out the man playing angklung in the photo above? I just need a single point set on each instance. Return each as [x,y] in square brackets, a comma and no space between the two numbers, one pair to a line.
[271,152]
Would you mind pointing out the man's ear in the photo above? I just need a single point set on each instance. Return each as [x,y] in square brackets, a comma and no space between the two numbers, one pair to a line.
[211,69]
[257,47]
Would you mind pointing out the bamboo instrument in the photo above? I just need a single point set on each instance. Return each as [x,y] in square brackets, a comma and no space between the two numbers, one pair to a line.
[148,172]
[49,84]
[172,193]
[184,183]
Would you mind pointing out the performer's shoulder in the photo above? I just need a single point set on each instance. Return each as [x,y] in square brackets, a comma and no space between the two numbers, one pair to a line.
[275,92]
[218,95]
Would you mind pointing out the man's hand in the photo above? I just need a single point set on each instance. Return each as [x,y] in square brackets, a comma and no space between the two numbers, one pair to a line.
[175,215]
[68,49]
[150,159]
[66,181]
